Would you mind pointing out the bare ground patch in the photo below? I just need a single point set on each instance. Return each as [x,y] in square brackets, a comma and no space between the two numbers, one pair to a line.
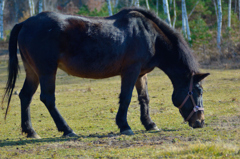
[231,122]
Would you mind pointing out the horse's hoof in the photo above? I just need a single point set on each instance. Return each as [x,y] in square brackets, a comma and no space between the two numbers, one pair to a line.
[127,132]
[34,136]
[155,128]
[72,134]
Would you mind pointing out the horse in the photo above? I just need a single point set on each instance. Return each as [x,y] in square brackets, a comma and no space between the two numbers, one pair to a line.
[129,44]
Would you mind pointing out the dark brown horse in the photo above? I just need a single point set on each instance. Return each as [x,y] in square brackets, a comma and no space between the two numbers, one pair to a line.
[130,43]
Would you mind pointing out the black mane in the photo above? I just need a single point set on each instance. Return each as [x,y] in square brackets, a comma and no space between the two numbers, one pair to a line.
[182,52]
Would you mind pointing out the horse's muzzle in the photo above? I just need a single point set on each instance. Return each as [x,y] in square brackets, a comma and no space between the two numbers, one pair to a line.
[197,124]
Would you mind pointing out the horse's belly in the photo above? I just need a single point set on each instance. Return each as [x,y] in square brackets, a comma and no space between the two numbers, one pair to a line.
[84,69]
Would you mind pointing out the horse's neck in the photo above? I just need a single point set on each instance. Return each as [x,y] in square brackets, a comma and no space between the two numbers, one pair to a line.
[178,77]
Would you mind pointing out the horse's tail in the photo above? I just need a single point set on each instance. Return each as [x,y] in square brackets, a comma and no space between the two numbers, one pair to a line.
[13,66]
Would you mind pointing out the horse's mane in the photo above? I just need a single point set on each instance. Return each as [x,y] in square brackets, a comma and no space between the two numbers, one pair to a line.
[183,52]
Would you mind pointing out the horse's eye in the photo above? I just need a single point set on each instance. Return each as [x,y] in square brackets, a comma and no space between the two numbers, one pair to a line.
[199,91]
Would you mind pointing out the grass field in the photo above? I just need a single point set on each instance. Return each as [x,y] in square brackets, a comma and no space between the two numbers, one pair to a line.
[90,106]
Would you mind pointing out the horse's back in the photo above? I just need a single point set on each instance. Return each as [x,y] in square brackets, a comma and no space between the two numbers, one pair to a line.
[85,47]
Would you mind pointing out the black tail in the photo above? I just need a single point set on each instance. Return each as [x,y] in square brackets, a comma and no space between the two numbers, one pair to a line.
[13,66]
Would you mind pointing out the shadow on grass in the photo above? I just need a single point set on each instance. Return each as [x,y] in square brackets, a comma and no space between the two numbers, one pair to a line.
[25,141]
[20,142]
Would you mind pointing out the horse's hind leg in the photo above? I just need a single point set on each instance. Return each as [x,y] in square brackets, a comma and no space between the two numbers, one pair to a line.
[47,96]
[29,88]
[143,97]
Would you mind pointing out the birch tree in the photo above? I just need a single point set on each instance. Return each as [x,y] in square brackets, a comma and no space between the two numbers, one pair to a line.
[219,29]
[166,11]
[147,4]
[109,7]
[185,25]
[238,9]
[1,17]
[45,5]
[32,7]
[175,13]
[50,5]
[229,13]
[137,3]
[134,3]
[116,4]
[184,28]
[40,6]
[16,7]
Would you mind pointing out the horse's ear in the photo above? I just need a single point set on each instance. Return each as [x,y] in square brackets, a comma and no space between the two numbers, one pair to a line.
[200,76]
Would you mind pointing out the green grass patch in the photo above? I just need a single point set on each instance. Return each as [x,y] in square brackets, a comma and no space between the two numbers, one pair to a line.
[90,106]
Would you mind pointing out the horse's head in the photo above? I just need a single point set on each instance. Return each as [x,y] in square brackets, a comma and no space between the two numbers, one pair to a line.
[188,99]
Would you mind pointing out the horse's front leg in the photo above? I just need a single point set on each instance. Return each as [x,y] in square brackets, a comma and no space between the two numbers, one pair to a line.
[128,80]
[47,83]
[143,97]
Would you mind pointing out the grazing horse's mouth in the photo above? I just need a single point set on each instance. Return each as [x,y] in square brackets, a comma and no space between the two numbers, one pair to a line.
[197,124]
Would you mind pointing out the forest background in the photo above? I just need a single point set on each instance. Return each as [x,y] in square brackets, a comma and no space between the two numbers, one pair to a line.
[211,27]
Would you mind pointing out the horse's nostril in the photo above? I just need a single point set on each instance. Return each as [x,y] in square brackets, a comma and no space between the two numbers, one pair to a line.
[198,124]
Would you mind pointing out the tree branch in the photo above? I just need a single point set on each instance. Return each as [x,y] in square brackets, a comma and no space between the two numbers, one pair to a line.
[193,9]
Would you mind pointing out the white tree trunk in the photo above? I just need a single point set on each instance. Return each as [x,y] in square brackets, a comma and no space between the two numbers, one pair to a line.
[1,18]
[137,3]
[229,13]
[116,4]
[185,18]
[184,28]
[132,3]
[45,5]
[147,4]
[238,9]
[32,7]
[40,6]
[166,11]
[157,7]
[175,13]
[219,29]
[109,7]
[16,6]
[187,25]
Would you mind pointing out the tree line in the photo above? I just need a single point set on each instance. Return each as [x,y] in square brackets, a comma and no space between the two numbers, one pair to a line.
[185,25]
[189,15]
